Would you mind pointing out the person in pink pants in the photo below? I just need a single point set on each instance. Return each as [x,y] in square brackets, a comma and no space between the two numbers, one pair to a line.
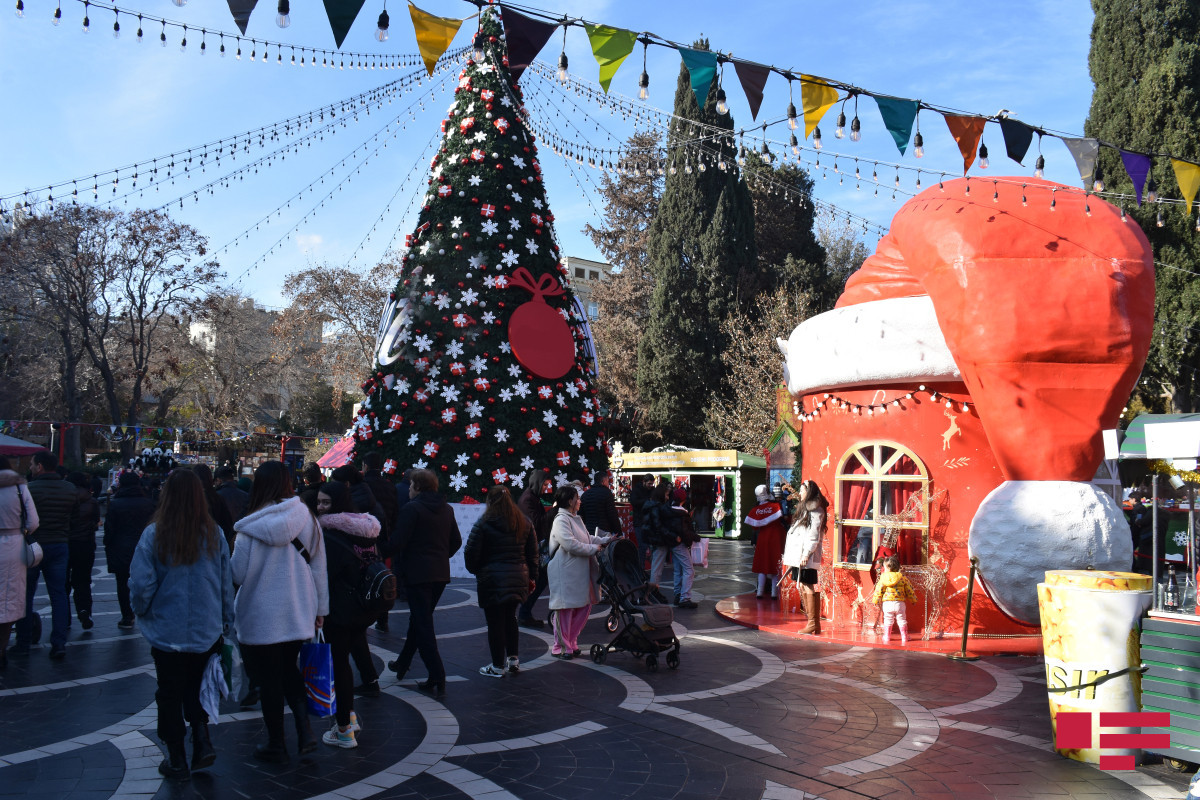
[572,572]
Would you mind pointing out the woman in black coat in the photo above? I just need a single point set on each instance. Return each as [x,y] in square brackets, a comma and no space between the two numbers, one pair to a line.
[502,554]
[129,512]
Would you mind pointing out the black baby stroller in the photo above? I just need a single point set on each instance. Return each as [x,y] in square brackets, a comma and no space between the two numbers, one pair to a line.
[639,616]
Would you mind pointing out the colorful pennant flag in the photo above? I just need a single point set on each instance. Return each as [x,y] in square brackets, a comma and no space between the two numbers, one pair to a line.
[341,15]
[241,12]
[702,66]
[1188,175]
[1017,138]
[1085,152]
[434,34]
[525,37]
[817,96]
[753,78]
[898,117]
[610,46]
[1137,166]
[967,132]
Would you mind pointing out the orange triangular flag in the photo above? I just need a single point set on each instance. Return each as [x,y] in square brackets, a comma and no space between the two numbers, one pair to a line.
[967,132]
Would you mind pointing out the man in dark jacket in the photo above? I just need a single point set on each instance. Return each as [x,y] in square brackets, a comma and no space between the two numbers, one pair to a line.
[129,513]
[639,493]
[57,505]
[534,510]
[426,536]
[598,508]
[81,548]
[385,495]
[234,498]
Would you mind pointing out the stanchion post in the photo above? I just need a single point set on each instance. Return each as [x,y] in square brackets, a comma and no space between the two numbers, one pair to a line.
[962,654]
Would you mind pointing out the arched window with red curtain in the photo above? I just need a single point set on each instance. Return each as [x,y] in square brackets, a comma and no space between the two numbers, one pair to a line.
[881,502]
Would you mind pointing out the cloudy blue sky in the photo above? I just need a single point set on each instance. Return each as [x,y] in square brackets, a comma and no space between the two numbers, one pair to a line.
[77,104]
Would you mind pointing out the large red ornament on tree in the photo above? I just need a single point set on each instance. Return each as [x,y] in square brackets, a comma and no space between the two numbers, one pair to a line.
[538,334]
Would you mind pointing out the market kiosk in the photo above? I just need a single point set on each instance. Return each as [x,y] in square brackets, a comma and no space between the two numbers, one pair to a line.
[733,475]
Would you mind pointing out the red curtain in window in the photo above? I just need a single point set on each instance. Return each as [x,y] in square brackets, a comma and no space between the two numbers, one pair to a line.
[857,497]
[908,544]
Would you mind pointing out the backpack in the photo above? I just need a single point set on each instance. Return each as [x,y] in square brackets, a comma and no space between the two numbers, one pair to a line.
[375,590]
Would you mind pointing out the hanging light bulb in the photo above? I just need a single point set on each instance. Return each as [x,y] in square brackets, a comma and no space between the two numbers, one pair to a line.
[817,138]
[284,17]
[180,3]
[644,86]
[722,107]
[139,33]
[1039,167]
[117,26]
[87,23]
[795,145]
[840,131]
[1198,222]
[57,18]
[1158,222]
[791,116]
[477,48]
[162,37]
[381,27]
[983,157]
[20,8]
[918,146]
[563,76]
[1151,192]
[183,41]
[855,129]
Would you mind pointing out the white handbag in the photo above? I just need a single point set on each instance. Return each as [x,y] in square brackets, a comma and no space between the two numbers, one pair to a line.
[31,554]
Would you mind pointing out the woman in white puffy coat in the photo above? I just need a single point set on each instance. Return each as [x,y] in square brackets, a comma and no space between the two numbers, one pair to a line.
[802,550]
[14,495]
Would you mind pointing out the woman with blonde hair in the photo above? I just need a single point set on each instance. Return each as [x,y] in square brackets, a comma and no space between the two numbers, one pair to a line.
[501,552]
[279,563]
[181,588]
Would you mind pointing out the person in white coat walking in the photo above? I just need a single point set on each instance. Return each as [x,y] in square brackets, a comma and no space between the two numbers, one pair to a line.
[802,550]
[14,499]
[572,572]
[279,564]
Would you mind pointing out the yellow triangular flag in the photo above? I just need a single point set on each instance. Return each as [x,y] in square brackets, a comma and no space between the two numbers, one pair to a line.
[817,97]
[1188,175]
[434,34]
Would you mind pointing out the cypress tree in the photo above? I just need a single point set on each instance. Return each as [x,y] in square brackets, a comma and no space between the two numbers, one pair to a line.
[1145,63]
[701,249]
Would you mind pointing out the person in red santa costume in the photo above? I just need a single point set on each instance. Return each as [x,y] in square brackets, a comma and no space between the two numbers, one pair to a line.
[768,520]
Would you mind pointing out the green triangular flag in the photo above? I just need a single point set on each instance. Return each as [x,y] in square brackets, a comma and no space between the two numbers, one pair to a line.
[898,116]
[341,15]
[702,66]
[610,46]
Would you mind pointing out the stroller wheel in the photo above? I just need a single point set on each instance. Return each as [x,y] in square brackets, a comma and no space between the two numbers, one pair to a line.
[673,660]
[597,653]
[652,663]
[613,622]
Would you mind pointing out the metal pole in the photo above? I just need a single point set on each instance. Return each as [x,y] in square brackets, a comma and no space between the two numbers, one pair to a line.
[1154,538]
[962,654]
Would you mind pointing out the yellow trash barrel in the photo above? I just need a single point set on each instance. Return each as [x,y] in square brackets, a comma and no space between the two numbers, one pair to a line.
[1090,633]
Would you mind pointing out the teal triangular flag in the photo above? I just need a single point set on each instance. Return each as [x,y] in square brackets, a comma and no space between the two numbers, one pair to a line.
[341,15]
[702,66]
[898,117]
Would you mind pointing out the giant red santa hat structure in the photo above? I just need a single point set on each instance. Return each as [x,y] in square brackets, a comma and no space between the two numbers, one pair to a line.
[1035,310]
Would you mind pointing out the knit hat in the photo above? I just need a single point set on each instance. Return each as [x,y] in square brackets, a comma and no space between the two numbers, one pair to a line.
[762,493]
[678,496]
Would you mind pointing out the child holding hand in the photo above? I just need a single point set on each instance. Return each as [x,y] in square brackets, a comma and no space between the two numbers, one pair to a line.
[892,591]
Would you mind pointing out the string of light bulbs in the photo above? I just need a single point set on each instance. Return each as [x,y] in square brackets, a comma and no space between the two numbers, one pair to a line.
[829,402]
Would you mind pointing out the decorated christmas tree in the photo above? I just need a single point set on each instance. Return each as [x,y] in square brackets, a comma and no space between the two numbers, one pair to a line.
[484,363]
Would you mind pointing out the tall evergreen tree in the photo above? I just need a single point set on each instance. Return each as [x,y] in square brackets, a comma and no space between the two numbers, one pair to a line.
[1145,63]
[483,369]
[701,250]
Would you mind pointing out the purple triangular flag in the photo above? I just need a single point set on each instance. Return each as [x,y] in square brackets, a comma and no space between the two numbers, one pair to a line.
[1138,167]
[753,78]
[525,38]
[241,12]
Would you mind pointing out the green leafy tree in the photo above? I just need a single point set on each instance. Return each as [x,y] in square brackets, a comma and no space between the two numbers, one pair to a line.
[1145,64]
[705,263]
[482,369]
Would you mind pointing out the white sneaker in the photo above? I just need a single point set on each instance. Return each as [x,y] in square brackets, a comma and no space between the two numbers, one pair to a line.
[335,737]
[491,672]
[514,664]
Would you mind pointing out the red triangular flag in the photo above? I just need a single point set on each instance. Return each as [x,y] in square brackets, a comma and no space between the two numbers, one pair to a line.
[966,131]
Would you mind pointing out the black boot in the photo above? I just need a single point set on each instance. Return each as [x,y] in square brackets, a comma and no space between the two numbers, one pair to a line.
[203,753]
[306,742]
[175,766]
[273,752]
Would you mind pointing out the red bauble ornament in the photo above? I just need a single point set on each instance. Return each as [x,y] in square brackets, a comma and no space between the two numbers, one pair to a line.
[540,337]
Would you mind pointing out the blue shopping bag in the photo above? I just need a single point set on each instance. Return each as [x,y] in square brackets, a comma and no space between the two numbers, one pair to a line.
[316,667]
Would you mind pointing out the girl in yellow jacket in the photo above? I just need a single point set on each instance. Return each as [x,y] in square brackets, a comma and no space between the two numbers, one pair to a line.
[892,591]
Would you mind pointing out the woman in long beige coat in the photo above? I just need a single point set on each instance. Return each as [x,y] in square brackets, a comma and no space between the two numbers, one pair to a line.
[14,495]
[572,572]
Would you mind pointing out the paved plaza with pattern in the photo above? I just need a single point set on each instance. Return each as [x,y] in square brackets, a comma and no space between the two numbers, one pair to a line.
[747,715]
